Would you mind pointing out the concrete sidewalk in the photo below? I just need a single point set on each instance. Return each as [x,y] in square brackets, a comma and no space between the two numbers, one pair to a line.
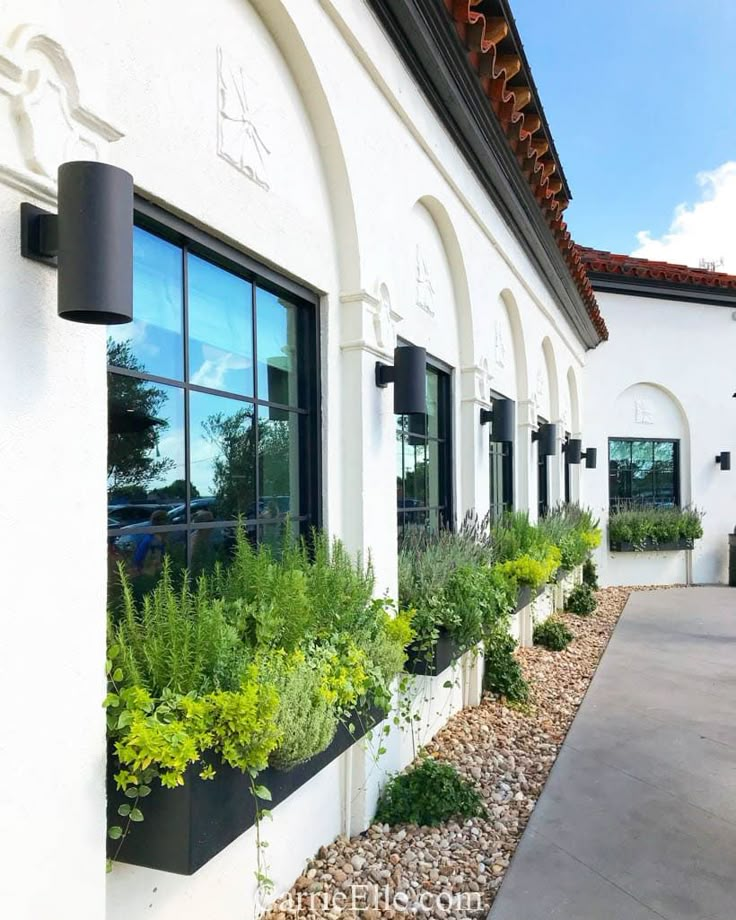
[638,818]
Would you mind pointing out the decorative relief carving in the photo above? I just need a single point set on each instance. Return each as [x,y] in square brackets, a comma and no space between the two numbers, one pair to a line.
[239,125]
[499,350]
[476,383]
[539,392]
[425,288]
[643,412]
[49,124]
[384,321]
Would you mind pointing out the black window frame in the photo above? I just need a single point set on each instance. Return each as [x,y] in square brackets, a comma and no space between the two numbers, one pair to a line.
[445,402]
[161,223]
[616,503]
[500,456]
[542,477]
[568,478]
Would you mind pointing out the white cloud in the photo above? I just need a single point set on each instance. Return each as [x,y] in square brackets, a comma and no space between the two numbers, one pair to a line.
[703,230]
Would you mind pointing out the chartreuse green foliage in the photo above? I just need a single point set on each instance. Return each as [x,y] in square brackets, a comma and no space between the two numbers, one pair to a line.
[552,634]
[642,524]
[255,664]
[428,793]
[526,570]
[581,600]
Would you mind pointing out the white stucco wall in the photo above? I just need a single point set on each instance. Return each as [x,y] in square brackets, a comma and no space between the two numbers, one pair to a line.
[666,372]
[353,188]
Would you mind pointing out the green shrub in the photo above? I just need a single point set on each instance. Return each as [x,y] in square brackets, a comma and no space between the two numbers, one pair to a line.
[178,638]
[503,673]
[639,525]
[429,793]
[552,634]
[581,600]
[590,574]
[574,530]
[447,580]
[513,535]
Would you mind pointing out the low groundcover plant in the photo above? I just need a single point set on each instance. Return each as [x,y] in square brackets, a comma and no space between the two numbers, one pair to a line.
[552,634]
[429,793]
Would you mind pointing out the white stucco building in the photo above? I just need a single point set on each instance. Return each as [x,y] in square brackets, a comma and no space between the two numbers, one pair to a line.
[363,174]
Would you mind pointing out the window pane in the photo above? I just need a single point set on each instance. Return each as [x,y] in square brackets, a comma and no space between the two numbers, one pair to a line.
[642,454]
[664,487]
[278,462]
[145,455]
[620,451]
[433,404]
[664,452]
[416,426]
[222,454]
[220,328]
[153,342]
[399,447]
[142,555]
[434,492]
[415,475]
[276,329]
[210,545]
[642,486]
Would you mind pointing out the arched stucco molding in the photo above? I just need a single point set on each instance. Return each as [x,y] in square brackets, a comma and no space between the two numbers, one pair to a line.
[657,430]
[459,278]
[287,37]
[574,397]
[518,344]
[550,363]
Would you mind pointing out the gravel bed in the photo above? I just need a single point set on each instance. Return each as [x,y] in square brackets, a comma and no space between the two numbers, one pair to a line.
[507,752]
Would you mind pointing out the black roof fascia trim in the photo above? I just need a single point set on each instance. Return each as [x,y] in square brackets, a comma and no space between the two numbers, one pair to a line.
[662,290]
[426,39]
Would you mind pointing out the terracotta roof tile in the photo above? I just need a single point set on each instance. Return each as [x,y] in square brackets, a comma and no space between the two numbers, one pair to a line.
[611,263]
[482,36]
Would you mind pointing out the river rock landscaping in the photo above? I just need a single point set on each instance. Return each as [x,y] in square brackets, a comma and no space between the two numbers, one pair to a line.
[507,753]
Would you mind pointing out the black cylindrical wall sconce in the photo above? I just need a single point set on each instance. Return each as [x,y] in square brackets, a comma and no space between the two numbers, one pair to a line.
[90,241]
[546,435]
[591,458]
[95,243]
[502,418]
[724,459]
[573,450]
[409,377]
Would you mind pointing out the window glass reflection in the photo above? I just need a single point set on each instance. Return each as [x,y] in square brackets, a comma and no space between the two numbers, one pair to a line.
[220,328]
[415,474]
[141,557]
[153,342]
[145,458]
[433,406]
[278,462]
[222,456]
[277,355]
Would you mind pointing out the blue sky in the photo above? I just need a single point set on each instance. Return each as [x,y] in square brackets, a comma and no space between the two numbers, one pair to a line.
[641,98]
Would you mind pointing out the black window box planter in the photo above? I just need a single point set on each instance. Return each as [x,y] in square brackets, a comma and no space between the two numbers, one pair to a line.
[184,828]
[527,594]
[650,546]
[429,662]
